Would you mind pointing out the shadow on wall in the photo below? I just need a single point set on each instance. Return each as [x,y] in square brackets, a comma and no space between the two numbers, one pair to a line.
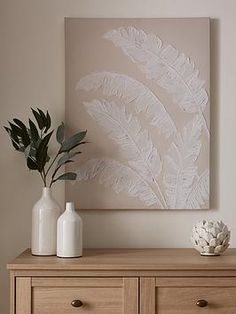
[214,116]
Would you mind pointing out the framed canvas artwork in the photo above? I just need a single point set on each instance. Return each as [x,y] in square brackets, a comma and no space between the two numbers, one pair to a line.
[140,87]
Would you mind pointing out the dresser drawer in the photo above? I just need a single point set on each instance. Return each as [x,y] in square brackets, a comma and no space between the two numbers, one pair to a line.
[188,295]
[94,300]
[80,295]
[183,300]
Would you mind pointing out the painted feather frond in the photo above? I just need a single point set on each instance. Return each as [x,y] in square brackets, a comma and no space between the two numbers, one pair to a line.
[134,143]
[171,69]
[200,192]
[189,142]
[119,177]
[180,170]
[129,91]
[178,178]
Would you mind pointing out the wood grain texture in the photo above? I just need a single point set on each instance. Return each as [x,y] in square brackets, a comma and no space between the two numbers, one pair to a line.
[48,300]
[12,293]
[125,273]
[147,296]
[124,281]
[77,282]
[129,259]
[196,282]
[99,295]
[131,295]
[23,295]
[182,300]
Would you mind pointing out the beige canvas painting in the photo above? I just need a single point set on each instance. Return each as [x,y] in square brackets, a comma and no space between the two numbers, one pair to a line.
[140,87]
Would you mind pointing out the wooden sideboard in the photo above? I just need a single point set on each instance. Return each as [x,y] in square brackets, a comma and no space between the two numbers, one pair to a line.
[124,281]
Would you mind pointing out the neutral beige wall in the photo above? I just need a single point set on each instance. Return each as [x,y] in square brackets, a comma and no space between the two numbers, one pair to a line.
[32,72]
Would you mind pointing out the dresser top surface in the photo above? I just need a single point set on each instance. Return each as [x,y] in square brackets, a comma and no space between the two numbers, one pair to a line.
[128,259]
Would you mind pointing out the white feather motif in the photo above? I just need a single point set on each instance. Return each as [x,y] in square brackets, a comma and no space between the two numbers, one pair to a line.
[171,69]
[134,143]
[119,177]
[180,170]
[125,130]
[200,192]
[130,90]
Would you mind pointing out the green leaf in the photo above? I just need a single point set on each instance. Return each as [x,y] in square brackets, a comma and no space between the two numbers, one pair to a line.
[43,116]
[67,176]
[31,164]
[48,119]
[72,154]
[20,124]
[25,139]
[30,151]
[38,119]
[42,158]
[7,129]
[66,157]
[46,139]
[72,142]
[27,151]
[14,140]
[33,131]
[15,129]
[21,149]
[22,133]
[60,133]
[62,160]
[64,163]
[20,136]
[41,154]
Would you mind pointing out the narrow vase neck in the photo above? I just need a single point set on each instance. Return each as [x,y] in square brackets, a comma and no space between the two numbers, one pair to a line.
[47,192]
[70,207]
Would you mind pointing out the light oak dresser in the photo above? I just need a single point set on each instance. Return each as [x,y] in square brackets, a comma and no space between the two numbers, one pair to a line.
[124,281]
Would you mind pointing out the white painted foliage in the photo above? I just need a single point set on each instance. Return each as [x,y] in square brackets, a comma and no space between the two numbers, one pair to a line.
[179,166]
[200,192]
[181,187]
[129,91]
[120,178]
[126,131]
[171,69]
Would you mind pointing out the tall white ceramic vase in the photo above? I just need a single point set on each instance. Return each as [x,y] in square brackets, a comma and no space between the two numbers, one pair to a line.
[44,224]
[69,233]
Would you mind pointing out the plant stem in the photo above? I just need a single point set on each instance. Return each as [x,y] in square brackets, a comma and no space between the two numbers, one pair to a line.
[50,166]
[52,181]
[45,177]
[53,176]
[44,182]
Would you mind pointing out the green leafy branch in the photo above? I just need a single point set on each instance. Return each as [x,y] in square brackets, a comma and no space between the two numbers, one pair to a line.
[33,140]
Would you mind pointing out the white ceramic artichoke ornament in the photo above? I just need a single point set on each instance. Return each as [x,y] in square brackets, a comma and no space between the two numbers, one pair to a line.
[210,237]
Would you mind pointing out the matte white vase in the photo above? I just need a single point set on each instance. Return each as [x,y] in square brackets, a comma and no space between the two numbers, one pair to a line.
[44,224]
[69,233]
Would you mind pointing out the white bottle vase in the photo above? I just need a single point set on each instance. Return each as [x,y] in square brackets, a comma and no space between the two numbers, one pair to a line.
[69,233]
[44,224]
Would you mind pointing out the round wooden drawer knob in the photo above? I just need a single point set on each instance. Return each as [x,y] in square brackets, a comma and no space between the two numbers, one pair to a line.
[76,303]
[202,303]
